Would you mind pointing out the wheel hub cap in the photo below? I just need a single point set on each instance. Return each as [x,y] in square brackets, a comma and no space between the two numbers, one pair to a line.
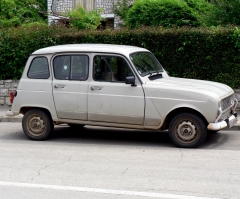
[186,131]
[36,125]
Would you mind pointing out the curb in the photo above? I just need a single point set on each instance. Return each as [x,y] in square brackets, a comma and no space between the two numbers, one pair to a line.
[11,119]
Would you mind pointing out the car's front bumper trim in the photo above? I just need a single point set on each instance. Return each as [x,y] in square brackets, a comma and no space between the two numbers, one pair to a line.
[229,122]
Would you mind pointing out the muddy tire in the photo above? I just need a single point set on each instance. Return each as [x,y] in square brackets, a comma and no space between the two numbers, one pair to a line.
[37,124]
[187,130]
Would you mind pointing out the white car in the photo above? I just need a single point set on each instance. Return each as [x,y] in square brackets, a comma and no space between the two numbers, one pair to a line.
[117,86]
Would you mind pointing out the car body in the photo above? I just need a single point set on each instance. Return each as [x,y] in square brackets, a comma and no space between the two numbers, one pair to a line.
[117,86]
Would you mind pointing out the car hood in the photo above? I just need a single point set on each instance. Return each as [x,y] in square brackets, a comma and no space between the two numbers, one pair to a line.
[199,86]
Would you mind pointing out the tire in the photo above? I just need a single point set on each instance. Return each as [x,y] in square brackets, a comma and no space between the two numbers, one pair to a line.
[187,130]
[37,124]
[76,126]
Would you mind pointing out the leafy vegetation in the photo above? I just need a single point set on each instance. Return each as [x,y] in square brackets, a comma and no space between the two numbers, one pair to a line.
[165,13]
[200,53]
[18,12]
[80,19]
[206,12]
[227,12]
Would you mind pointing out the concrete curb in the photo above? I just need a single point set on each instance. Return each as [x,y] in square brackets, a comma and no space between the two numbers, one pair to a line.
[11,119]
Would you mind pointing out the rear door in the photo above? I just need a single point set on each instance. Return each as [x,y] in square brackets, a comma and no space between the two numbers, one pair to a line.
[70,85]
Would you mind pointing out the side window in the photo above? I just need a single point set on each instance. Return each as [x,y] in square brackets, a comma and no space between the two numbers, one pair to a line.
[39,68]
[111,69]
[61,67]
[71,67]
[79,67]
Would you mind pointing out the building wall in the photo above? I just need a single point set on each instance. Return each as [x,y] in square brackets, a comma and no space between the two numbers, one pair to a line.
[6,86]
[56,7]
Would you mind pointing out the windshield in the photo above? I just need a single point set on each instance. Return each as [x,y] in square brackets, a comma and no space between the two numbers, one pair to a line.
[145,63]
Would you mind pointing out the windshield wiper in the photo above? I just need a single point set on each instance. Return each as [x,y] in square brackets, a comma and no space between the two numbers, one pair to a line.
[151,73]
[157,75]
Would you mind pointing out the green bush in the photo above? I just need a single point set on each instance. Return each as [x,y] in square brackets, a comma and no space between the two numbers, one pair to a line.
[226,12]
[80,19]
[165,13]
[216,12]
[18,12]
[204,11]
[200,53]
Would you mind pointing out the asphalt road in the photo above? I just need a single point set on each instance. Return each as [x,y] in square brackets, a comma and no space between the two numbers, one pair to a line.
[115,163]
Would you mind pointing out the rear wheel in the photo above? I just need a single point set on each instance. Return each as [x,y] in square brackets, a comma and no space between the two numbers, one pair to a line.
[37,124]
[187,130]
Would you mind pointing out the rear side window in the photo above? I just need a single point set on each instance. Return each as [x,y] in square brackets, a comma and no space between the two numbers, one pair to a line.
[71,67]
[39,68]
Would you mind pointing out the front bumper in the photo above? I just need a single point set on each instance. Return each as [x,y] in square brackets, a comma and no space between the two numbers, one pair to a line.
[229,122]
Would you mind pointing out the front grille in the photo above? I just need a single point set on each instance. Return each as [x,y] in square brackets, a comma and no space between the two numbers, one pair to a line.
[227,102]
[224,116]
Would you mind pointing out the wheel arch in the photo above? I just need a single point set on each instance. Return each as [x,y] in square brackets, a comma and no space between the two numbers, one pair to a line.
[177,111]
[25,109]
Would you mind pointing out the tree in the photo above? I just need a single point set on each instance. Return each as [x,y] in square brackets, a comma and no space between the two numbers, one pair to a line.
[18,12]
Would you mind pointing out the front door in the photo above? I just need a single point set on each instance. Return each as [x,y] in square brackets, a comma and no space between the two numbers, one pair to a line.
[70,85]
[109,98]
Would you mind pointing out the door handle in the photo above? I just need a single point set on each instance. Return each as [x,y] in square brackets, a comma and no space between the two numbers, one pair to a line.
[96,88]
[59,86]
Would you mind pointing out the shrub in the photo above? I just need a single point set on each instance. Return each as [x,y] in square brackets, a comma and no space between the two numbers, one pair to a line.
[82,20]
[200,53]
[165,13]
[18,12]
[204,11]
[227,12]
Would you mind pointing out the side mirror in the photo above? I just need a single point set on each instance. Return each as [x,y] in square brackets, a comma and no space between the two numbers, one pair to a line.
[130,80]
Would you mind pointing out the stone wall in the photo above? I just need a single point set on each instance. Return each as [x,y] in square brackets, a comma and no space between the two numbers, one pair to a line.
[6,86]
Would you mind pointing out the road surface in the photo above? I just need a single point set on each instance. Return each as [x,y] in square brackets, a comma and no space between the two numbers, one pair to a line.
[99,162]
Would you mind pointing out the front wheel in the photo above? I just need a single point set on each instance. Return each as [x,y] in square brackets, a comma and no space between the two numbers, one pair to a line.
[37,124]
[187,130]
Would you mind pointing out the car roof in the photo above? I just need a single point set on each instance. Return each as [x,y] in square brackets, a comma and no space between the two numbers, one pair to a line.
[102,48]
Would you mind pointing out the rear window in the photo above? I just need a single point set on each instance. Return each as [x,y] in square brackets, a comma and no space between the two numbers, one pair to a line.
[39,68]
